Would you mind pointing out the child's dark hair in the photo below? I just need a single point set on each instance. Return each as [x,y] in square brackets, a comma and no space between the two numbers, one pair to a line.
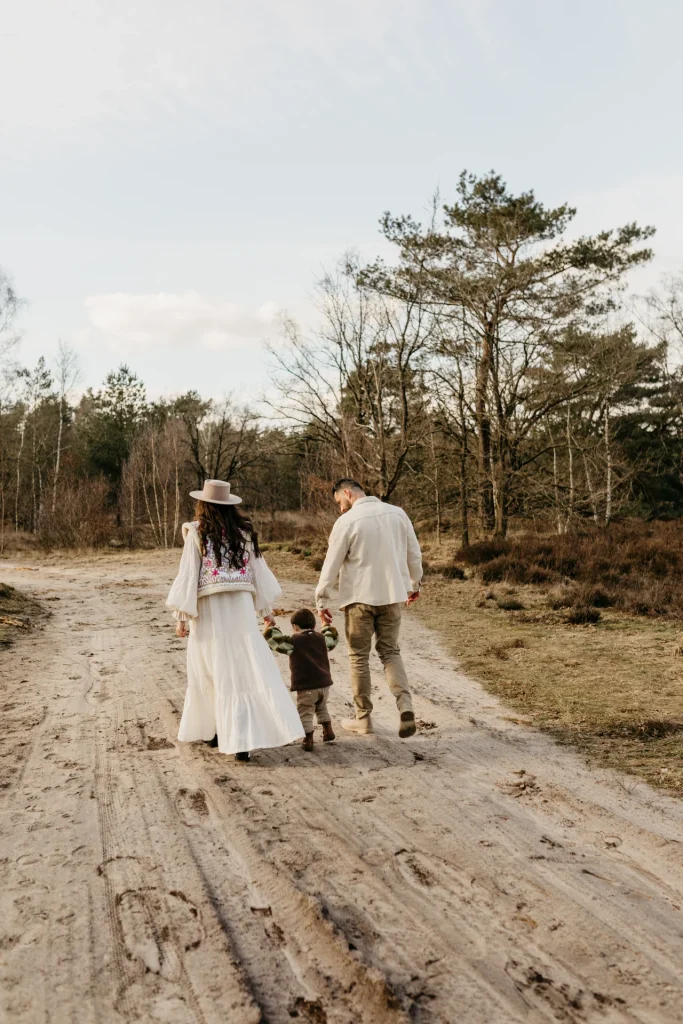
[303,618]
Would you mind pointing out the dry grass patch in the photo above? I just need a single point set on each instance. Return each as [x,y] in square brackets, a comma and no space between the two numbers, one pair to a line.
[17,611]
[614,688]
[290,561]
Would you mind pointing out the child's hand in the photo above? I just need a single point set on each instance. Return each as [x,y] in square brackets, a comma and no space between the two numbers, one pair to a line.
[181,629]
[269,620]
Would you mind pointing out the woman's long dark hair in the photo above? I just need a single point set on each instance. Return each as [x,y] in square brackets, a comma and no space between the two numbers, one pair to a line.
[229,531]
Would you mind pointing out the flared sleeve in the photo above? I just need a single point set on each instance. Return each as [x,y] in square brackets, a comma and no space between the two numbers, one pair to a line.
[182,597]
[267,587]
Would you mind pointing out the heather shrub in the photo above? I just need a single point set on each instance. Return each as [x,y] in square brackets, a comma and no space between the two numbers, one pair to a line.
[635,567]
[483,551]
[583,615]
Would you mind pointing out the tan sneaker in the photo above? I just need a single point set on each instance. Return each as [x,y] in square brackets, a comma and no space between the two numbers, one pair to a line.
[361,726]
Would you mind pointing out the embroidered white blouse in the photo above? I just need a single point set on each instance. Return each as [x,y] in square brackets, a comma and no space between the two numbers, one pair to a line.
[200,576]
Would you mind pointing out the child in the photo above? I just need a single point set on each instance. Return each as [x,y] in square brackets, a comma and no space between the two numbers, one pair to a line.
[310,669]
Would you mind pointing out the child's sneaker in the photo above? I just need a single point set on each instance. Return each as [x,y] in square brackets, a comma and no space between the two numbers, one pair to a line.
[308,742]
[328,732]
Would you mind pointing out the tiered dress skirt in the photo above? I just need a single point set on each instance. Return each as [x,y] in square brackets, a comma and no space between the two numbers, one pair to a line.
[235,690]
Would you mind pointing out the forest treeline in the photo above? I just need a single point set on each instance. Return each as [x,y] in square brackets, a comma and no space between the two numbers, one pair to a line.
[495,371]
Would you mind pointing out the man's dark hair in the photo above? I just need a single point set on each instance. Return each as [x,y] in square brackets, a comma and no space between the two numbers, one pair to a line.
[303,618]
[347,484]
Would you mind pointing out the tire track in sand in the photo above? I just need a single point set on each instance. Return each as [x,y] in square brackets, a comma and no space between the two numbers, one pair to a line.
[370,883]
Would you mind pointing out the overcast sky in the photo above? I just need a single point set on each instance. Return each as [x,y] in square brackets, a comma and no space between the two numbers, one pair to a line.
[172,174]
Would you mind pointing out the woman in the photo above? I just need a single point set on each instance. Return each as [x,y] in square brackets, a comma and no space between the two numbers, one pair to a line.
[235,698]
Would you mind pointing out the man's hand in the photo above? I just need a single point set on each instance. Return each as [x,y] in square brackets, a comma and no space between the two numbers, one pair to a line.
[181,628]
[412,598]
[326,617]
[269,620]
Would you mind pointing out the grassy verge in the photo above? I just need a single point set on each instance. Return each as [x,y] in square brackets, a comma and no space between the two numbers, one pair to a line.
[613,688]
[290,562]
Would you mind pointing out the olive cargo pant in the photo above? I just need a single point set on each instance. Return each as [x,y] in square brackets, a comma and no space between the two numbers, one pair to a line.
[362,621]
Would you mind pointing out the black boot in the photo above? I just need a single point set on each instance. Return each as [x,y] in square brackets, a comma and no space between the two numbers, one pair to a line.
[213,742]
[243,755]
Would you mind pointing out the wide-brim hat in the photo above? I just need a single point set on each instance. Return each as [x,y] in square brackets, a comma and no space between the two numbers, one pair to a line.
[217,492]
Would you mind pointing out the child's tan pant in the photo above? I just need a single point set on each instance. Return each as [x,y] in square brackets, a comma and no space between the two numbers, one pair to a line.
[311,704]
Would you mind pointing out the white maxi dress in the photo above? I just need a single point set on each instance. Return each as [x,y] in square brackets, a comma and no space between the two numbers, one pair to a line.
[234,687]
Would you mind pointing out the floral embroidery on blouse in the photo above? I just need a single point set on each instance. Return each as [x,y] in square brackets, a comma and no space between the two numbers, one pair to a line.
[211,574]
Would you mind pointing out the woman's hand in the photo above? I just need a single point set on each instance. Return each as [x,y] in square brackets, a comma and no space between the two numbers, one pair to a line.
[181,628]
[269,620]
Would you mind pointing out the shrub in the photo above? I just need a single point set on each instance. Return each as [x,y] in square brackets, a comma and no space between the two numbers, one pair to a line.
[562,597]
[583,615]
[509,604]
[483,551]
[598,597]
[81,518]
[500,568]
[636,567]
[453,572]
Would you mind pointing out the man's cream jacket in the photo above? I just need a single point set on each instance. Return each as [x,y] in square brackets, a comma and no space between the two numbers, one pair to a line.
[375,553]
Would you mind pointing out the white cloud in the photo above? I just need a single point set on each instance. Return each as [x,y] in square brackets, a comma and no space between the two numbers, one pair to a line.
[126,323]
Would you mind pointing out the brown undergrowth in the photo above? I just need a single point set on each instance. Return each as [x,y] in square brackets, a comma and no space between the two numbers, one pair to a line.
[634,567]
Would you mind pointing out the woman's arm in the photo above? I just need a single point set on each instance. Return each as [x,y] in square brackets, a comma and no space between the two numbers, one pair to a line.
[267,589]
[182,597]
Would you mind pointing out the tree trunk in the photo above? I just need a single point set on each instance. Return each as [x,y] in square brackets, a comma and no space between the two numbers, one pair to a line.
[556,490]
[437,490]
[58,459]
[591,490]
[176,511]
[34,502]
[501,516]
[570,457]
[22,434]
[608,476]
[486,502]
[464,488]
[464,497]
[499,479]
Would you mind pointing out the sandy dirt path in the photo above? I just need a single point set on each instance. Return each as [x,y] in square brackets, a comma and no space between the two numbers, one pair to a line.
[475,874]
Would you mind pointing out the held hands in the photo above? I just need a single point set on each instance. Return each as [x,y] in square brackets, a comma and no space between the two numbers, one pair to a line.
[181,629]
[269,620]
[412,598]
[326,616]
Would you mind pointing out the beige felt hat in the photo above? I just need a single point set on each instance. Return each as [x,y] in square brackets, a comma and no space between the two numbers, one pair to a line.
[217,492]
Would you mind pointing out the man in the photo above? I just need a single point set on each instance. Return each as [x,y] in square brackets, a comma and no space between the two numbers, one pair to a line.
[374,551]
